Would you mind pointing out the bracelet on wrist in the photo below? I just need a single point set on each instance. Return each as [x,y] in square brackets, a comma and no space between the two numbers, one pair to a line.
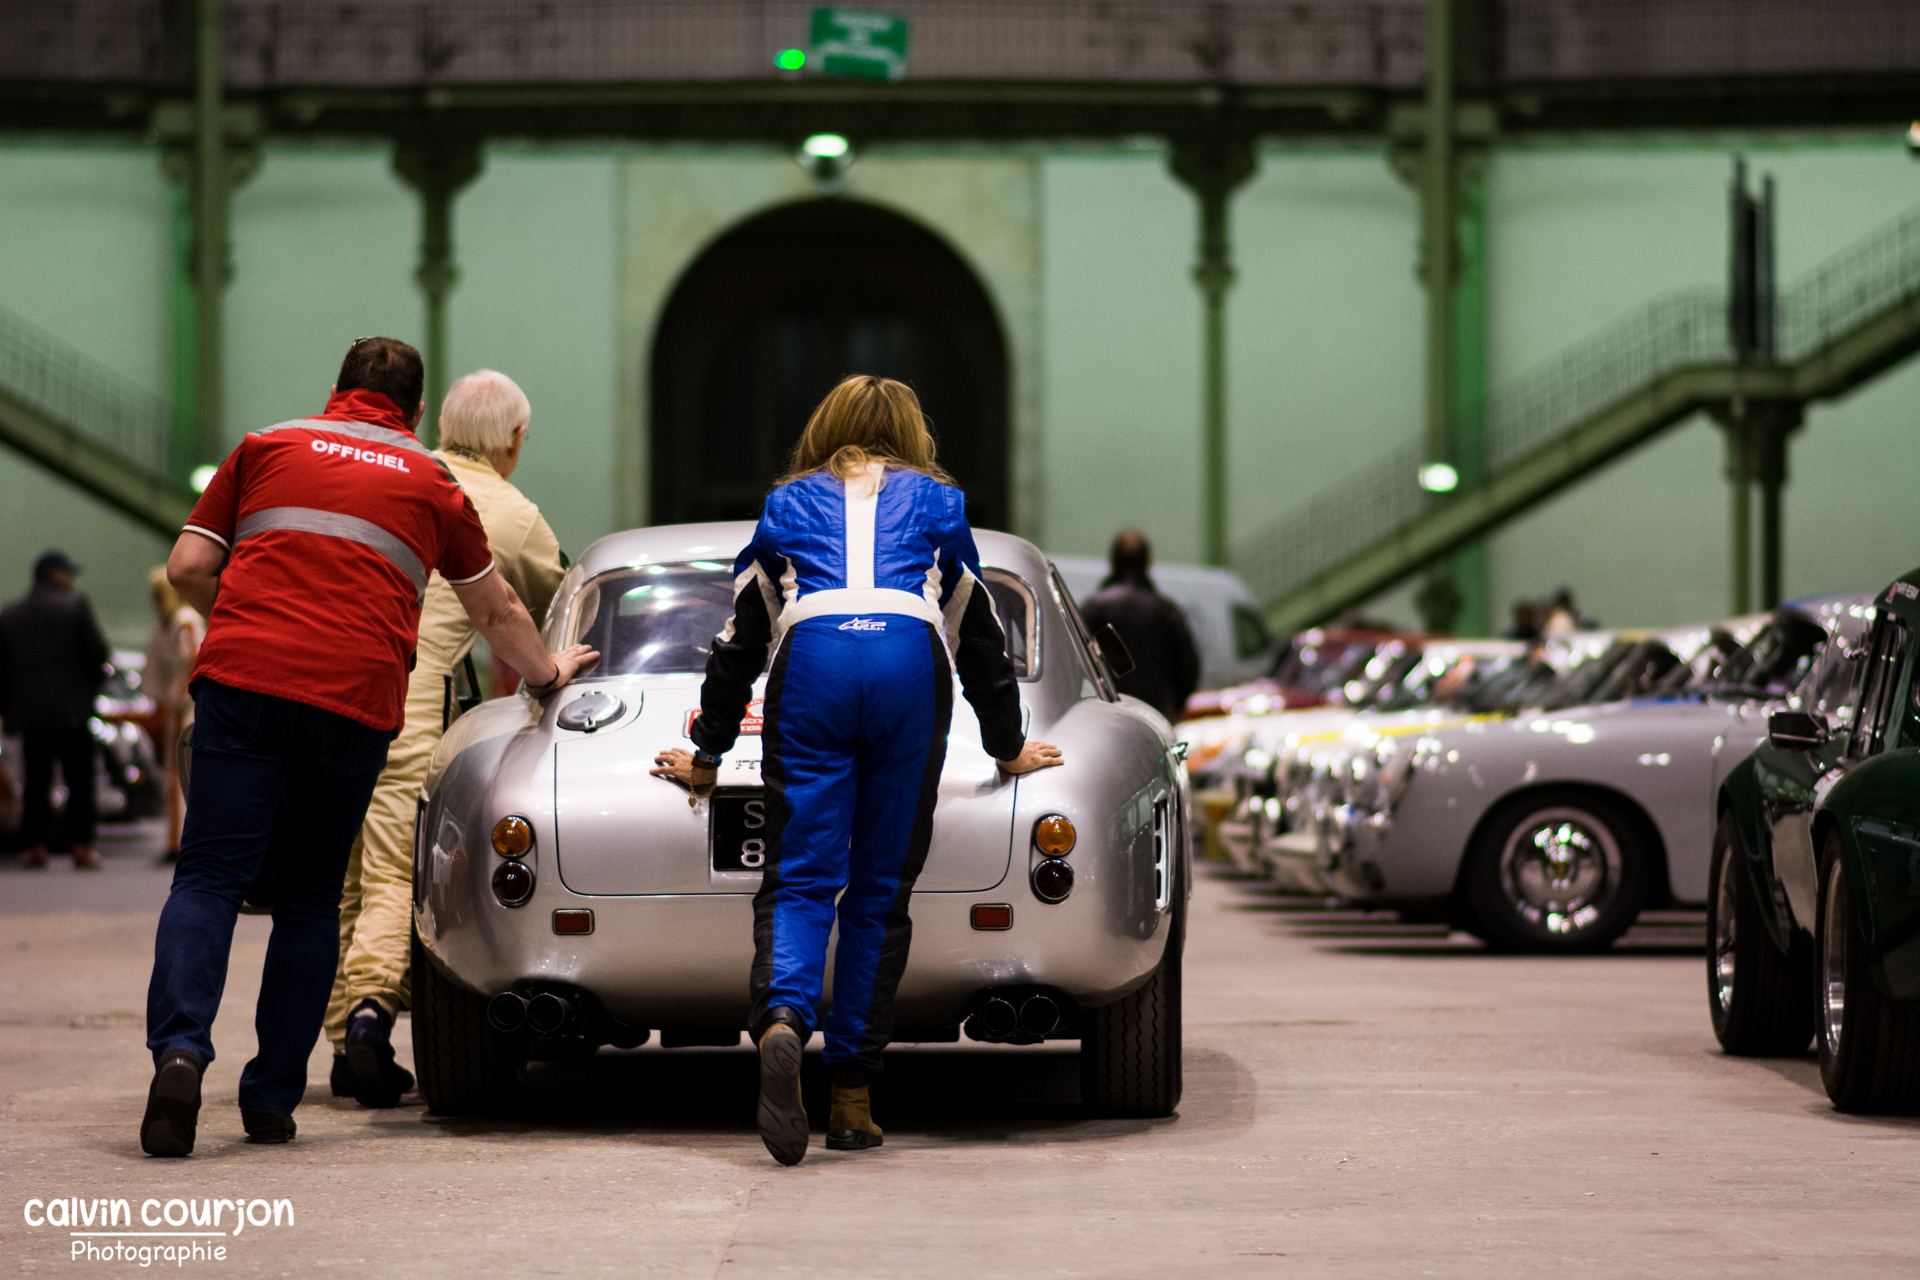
[702,760]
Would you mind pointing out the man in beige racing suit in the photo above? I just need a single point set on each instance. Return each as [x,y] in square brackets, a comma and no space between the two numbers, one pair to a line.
[483,423]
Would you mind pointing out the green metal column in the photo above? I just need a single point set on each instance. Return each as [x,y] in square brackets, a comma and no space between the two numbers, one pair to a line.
[211,267]
[437,168]
[1740,512]
[183,453]
[1439,216]
[1212,167]
[1469,390]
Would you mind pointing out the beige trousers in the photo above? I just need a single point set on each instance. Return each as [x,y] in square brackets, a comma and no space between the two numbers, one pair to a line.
[376,904]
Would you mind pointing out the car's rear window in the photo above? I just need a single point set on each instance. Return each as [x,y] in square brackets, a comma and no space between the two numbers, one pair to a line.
[662,618]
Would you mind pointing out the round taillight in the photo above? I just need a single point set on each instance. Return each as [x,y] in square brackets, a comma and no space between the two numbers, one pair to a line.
[512,837]
[513,883]
[1054,836]
[1052,880]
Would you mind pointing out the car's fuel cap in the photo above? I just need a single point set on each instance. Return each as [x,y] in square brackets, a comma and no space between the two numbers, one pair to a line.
[590,710]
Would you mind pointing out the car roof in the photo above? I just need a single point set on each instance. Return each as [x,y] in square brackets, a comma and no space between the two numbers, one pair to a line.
[720,541]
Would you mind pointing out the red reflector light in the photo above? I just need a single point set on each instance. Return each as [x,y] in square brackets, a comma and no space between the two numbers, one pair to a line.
[573,920]
[992,915]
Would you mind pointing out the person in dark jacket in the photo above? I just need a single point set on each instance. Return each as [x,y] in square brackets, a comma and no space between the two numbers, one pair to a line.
[52,664]
[1166,664]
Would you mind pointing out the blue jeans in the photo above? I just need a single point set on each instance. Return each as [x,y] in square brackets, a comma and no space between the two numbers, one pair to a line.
[273,775]
[857,713]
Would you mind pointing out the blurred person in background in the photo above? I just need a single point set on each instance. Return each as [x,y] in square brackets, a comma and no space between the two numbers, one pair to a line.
[1564,616]
[52,664]
[1526,621]
[1166,663]
[177,631]
[483,423]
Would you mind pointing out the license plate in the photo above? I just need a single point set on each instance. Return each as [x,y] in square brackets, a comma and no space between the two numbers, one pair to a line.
[738,830]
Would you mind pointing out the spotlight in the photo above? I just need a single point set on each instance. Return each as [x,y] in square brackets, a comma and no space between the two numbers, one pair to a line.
[1913,139]
[790,59]
[1438,477]
[202,477]
[825,157]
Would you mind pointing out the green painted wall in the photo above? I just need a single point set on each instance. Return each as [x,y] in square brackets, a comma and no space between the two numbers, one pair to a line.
[1582,234]
[569,253]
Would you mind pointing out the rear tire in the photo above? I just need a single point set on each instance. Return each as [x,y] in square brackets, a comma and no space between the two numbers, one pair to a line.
[1762,1001]
[1557,872]
[1130,1056]
[1869,1044]
[465,1067]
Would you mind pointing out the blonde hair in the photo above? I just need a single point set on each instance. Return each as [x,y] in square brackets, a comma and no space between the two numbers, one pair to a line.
[166,600]
[481,411]
[865,420]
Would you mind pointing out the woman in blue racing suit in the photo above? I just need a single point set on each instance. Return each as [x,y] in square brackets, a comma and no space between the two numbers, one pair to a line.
[863,581]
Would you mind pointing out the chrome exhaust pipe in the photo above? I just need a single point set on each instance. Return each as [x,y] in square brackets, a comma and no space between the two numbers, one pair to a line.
[1039,1015]
[507,1012]
[549,1012]
[996,1019]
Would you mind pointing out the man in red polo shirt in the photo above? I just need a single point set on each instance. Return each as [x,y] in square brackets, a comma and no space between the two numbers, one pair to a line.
[309,555]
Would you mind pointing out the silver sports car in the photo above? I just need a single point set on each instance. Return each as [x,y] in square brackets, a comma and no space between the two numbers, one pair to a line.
[565,899]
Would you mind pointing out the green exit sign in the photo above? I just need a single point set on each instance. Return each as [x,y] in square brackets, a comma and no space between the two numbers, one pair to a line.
[845,42]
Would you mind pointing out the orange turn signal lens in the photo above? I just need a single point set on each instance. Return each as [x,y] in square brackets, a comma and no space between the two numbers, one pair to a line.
[512,837]
[1054,836]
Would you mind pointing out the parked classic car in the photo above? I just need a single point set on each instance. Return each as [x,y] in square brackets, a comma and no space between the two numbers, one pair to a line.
[565,899]
[1550,831]
[1814,912]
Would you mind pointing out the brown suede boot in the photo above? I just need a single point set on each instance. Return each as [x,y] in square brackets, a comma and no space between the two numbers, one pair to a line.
[850,1127]
[783,1119]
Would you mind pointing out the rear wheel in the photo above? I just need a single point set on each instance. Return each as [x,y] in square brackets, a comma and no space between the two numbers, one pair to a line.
[465,1066]
[1557,871]
[1130,1056]
[1869,1044]
[1762,1000]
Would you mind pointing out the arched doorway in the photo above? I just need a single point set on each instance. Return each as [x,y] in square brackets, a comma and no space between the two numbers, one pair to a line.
[779,309]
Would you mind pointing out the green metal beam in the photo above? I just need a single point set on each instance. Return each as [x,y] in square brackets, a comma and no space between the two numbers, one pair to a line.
[156,501]
[1836,367]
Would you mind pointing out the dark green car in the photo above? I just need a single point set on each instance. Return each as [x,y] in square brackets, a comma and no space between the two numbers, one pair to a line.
[1813,908]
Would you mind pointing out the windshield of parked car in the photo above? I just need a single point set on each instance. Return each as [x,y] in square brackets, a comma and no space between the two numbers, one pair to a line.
[1317,665]
[1502,684]
[1575,685]
[662,618]
[1775,661]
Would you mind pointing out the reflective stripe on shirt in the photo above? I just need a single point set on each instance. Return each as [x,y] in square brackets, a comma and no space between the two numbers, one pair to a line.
[332,524]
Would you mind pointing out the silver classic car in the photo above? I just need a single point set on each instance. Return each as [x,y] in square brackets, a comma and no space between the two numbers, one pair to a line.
[564,899]
[1550,831]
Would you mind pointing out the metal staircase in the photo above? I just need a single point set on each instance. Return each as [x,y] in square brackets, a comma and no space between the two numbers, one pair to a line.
[1851,317]
[88,425]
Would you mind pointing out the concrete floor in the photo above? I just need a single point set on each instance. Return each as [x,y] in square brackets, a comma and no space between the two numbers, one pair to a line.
[1362,1098]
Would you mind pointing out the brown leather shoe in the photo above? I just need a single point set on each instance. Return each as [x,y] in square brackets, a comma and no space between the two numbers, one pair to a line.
[850,1126]
[85,859]
[37,856]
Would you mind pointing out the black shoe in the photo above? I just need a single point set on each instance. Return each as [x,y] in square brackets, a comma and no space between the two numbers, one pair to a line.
[340,1079]
[266,1127]
[783,1120]
[378,1081]
[173,1105]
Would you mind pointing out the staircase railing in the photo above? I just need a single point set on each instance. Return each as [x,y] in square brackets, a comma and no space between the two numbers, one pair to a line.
[1678,329]
[79,391]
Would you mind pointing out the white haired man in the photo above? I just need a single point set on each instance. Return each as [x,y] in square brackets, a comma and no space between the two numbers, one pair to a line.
[483,423]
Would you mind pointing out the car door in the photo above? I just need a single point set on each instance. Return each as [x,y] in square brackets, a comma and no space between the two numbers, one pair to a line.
[1790,781]
[1879,801]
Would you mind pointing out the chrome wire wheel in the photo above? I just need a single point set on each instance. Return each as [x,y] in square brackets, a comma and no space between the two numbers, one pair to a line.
[1559,868]
[1725,933]
[1833,961]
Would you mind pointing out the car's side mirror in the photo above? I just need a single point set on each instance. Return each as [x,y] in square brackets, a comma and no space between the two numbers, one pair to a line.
[1113,649]
[1796,731]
